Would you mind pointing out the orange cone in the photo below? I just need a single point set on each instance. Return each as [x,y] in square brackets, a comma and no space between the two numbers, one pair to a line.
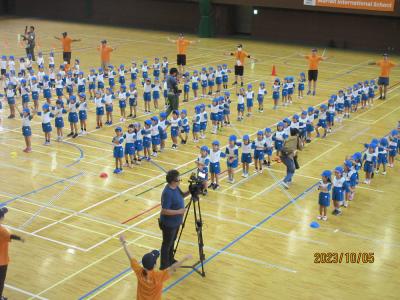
[273,73]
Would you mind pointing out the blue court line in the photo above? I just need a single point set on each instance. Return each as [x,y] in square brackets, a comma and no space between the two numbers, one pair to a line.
[38,190]
[292,201]
[80,156]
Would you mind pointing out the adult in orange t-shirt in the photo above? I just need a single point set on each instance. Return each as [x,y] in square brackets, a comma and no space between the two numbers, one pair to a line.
[240,57]
[66,42]
[5,238]
[313,62]
[150,282]
[181,46]
[386,65]
[105,54]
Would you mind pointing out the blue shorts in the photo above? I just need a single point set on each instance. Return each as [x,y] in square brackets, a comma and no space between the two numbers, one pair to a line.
[147,96]
[258,154]
[133,76]
[122,103]
[146,142]
[364,97]
[203,125]
[290,91]
[156,73]
[165,94]
[118,152]
[155,139]
[240,107]
[260,98]
[368,166]
[227,112]
[233,164]
[81,89]
[73,117]
[70,89]
[139,145]
[301,87]
[59,122]
[324,199]
[156,95]
[340,107]
[25,98]
[215,168]
[99,111]
[46,127]
[392,152]
[347,104]
[35,96]
[145,75]
[111,82]
[218,80]
[284,93]
[186,88]
[214,116]
[275,95]
[109,108]
[47,94]
[225,78]
[249,102]
[185,129]
[82,115]
[204,83]
[164,70]
[174,131]
[129,148]
[278,145]
[337,193]
[196,127]
[59,92]
[268,151]
[383,81]
[26,131]
[246,158]
[330,117]
[163,135]
[92,86]
[11,100]
[220,116]
[100,85]
[132,102]
[322,123]
[121,80]
[195,86]
[211,83]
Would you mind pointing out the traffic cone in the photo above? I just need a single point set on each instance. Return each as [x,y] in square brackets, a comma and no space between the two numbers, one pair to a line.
[273,73]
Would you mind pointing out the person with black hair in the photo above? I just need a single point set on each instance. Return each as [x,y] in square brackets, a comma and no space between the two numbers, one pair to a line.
[30,37]
[171,216]
[172,91]
[66,42]
[289,155]
[5,239]
[149,281]
[240,56]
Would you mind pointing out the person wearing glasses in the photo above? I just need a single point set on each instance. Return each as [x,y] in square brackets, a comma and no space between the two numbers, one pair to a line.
[171,216]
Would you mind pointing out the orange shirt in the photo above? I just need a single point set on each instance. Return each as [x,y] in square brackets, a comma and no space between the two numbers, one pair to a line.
[182,45]
[149,287]
[4,240]
[386,66]
[313,61]
[66,44]
[240,56]
[105,53]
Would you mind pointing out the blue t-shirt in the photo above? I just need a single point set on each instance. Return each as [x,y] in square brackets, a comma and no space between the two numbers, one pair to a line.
[172,199]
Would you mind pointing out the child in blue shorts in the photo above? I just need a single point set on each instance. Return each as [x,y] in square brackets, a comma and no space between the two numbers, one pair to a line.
[262,91]
[246,155]
[174,123]
[269,146]
[27,117]
[184,126]
[227,108]
[82,112]
[163,125]
[259,146]
[322,120]
[118,152]
[203,121]
[186,87]
[130,139]
[393,144]
[146,132]
[195,83]
[138,142]
[215,168]
[369,160]
[46,125]
[10,94]
[232,157]
[132,100]
[338,190]
[300,87]
[155,135]
[203,163]
[249,99]
[275,92]
[73,116]
[214,108]
[196,123]
[382,155]
[58,112]
[324,198]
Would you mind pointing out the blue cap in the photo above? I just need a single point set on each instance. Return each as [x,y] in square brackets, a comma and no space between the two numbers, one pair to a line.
[357,156]
[46,77]
[60,102]
[23,81]
[163,115]
[339,169]
[123,87]
[260,132]
[355,86]
[326,173]
[195,72]
[26,110]
[286,120]
[100,69]
[249,86]
[147,122]
[296,117]
[204,148]
[280,124]
[215,100]
[184,111]
[227,93]
[72,98]
[375,141]
[394,132]
[80,73]
[82,95]
[310,109]
[348,163]
[304,112]
[150,259]
[302,74]
[145,61]
[215,142]
[197,109]
[202,105]
[225,65]
[340,91]
[268,130]
[246,137]
[154,118]
[204,69]
[334,97]
[331,101]
[366,82]
[121,66]
[45,106]
[11,57]
[3,57]
[175,112]
[372,81]
[323,106]
[232,138]
[118,128]
[383,142]
[262,83]
[111,67]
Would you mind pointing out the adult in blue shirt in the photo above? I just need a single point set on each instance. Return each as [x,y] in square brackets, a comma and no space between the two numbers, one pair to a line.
[171,216]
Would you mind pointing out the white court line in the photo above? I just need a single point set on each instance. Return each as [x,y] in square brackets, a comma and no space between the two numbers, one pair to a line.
[34,296]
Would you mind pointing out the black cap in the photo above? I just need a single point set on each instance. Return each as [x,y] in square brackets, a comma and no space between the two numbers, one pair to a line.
[3,211]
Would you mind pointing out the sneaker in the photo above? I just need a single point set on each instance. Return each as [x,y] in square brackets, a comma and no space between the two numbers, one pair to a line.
[309,92]
[255,170]
[130,116]
[319,217]
[261,171]
[285,184]
[215,187]
[205,192]
[81,133]
[25,150]
[75,135]
[324,218]
[339,212]
[376,171]
[120,170]
[154,154]
[71,134]
[384,173]
[345,204]
[313,93]
[230,180]
[46,143]
[174,146]
[116,171]
[244,175]
[97,127]
[335,212]
[211,185]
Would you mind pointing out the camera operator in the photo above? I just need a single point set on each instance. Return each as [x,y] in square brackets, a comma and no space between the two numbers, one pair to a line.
[29,37]
[289,155]
[171,216]
[173,91]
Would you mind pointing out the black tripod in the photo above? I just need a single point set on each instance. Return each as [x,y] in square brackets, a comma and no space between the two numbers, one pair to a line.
[199,226]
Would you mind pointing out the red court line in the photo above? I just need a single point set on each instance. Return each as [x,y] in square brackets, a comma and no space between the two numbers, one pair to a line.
[141,213]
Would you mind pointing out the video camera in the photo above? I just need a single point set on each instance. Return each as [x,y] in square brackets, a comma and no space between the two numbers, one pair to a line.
[196,184]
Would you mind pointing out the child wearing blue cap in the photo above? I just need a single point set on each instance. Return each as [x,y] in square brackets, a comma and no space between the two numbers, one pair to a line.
[27,116]
[369,159]
[111,77]
[99,102]
[324,197]
[338,190]
[156,67]
[300,86]
[215,168]
[364,94]
[211,81]
[163,125]
[155,135]
[240,104]
[249,99]
[82,113]
[279,138]
[285,87]
[259,146]
[92,82]
[203,121]
[138,143]
[203,163]
[214,108]
[58,112]
[108,101]
[118,151]
[184,126]
[164,66]
[232,157]
[196,123]
[130,139]
[145,69]
[121,74]
[3,65]
[134,71]
[100,79]
[73,116]
[81,82]
[350,175]
[322,120]
[174,123]
[46,124]
[393,146]
[246,154]
[371,92]
[35,92]
[203,81]
[24,91]
[195,83]
[10,95]
[147,95]
[262,91]
[340,99]
[46,89]
[69,83]
[132,100]
[227,108]
[382,156]
[186,87]
[218,79]
[269,146]
[221,108]
[122,97]
[330,115]
[155,90]
[291,86]
[275,92]
[146,133]
[225,76]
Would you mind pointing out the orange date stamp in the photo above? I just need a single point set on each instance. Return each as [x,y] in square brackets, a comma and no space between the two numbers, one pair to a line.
[344,257]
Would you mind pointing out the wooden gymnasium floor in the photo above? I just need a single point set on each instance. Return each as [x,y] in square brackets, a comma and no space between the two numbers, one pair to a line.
[259,244]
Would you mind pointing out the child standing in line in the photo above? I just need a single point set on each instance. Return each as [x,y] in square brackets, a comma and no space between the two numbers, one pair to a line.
[303,126]
[330,115]
[146,132]
[324,198]
[99,103]
[260,97]
[300,87]
[138,143]
[130,139]
[214,108]
[155,135]
[100,80]
[279,137]
[132,100]
[203,121]
[108,101]
[81,81]
[156,88]
[196,123]
[371,92]
[227,108]
[175,128]
[92,83]
[291,86]
[118,152]
[186,87]
[147,95]
[46,124]
[10,94]
[225,76]
[202,163]
[24,93]
[268,147]
[145,70]
[221,108]
[232,156]
[246,155]
[369,160]
[27,117]
[122,96]
[337,192]
[82,112]
[275,92]
[259,146]
[347,103]
[249,99]
[35,92]
[240,104]
[351,181]
[164,67]
[3,65]
[121,74]
[165,93]
[163,124]
[51,60]
[73,116]
[285,87]
[310,123]
[340,106]
[382,155]
[203,80]
[393,144]
[195,84]
[184,126]
[111,77]
[134,72]
[218,78]
[211,81]
[322,120]
[59,110]
[46,89]
[364,94]
[156,68]
[215,169]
